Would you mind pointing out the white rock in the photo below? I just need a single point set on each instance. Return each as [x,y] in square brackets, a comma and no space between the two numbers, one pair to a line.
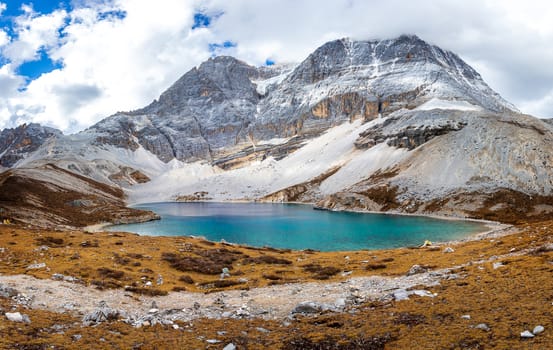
[175,326]
[497,265]
[424,293]
[230,346]
[308,307]
[483,327]
[449,250]
[213,341]
[526,334]
[340,303]
[538,329]
[401,294]
[36,266]
[153,311]
[465,317]
[17,317]
[416,269]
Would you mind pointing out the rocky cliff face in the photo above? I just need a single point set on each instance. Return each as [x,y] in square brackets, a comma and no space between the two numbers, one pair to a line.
[16,143]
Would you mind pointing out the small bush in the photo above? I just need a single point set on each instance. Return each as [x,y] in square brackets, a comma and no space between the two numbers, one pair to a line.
[267,259]
[272,277]
[193,264]
[109,273]
[207,261]
[51,242]
[101,285]
[120,260]
[146,291]
[220,283]
[321,272]
[89,244]
[409,319]
[376,266]
[186,279]
[365,342]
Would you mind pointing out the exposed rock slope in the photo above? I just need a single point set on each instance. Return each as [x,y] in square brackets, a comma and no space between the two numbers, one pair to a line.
[16,143]
[48,195]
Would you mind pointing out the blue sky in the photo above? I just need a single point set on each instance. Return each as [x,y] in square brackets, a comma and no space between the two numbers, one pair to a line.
[70,63]
[30,69]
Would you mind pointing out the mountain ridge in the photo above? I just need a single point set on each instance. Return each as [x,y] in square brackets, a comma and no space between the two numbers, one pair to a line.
[400,107]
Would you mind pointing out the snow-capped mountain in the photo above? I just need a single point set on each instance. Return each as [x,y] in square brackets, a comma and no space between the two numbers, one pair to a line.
[379,125]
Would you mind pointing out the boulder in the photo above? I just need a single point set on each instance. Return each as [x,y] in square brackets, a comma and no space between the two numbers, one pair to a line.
[17,317]
[307,307]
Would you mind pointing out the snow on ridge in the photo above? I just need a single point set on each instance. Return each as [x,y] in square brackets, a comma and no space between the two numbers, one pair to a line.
[437,103]
[263,84]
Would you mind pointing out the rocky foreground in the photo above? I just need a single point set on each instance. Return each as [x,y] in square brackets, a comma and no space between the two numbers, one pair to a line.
[73,289]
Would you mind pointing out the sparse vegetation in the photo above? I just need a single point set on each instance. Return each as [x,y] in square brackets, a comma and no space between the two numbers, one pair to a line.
[220,283]
[480,291]
[109,273]
[267,259]
[146,291]
[320,272]
[376,266]
[52,242]
[186,279]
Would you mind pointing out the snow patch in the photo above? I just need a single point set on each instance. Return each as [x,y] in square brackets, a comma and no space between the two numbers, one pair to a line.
[437,103]
[334,148]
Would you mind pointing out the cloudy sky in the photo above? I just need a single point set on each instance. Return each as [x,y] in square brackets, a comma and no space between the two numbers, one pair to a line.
[70,63]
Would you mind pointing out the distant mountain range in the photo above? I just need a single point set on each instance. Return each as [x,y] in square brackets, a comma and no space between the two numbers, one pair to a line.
[395,124]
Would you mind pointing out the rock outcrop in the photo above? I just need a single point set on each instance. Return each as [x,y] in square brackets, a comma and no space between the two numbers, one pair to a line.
[16,144]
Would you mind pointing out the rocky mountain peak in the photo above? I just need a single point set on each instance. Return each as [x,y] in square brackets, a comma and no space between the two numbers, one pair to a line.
[26,138]
[215,80]
[224,104]
[405,71]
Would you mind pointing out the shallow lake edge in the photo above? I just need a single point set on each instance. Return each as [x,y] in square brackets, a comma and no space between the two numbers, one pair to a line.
[495,229]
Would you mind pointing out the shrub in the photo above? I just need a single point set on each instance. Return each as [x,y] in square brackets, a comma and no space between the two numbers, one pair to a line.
[321,272]
[267,259]
[186,279]
[109,273]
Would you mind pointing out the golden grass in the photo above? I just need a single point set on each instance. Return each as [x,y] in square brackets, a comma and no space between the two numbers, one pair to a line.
[509,299]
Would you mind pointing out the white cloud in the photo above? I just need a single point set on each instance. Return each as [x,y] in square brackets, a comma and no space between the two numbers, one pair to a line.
[34,32]
[123,64]
[4,38]
[543,106]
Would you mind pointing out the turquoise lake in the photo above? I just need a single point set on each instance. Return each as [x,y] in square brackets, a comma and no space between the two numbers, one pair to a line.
[296,226]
